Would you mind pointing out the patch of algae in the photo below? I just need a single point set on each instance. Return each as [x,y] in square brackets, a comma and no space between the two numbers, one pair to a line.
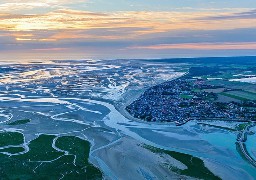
[67,158]
[19,122]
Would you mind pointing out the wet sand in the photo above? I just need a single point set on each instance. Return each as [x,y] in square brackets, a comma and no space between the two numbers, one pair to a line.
[127,159]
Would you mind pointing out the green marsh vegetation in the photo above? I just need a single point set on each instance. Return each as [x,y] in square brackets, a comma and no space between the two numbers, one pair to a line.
[195,166]
[47,157]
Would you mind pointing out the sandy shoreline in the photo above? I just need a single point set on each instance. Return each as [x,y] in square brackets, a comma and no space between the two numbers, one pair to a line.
[127,159]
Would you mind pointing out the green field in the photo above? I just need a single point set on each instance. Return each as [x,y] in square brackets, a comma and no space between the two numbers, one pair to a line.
[240,95]
[226,99]
[234,85]
[185,96]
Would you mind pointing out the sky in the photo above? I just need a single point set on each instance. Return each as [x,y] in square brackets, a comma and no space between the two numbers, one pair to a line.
[63,29]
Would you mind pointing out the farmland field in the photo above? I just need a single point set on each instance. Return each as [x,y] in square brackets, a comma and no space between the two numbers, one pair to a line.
[234,85]
[241,95]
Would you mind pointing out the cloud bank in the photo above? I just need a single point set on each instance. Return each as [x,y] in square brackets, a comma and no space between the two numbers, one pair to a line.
[53,26]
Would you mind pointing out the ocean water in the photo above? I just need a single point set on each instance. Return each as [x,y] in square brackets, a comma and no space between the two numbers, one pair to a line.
[86,98]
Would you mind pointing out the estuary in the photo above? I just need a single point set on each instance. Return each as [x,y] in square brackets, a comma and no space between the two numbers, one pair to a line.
[66,119]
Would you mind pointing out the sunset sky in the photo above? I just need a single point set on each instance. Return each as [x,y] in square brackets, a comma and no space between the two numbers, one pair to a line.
[64,29]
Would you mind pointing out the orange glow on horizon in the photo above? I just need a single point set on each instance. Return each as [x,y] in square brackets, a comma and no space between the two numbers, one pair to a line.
[201,46]
[68,22]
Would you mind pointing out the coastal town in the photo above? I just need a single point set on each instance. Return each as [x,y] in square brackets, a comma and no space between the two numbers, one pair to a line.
[187,98]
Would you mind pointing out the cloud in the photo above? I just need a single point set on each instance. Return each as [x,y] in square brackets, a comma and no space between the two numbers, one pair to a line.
[202,46]
[240,15]
[152,22]
[62,29]
[25,5]
[51,49]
